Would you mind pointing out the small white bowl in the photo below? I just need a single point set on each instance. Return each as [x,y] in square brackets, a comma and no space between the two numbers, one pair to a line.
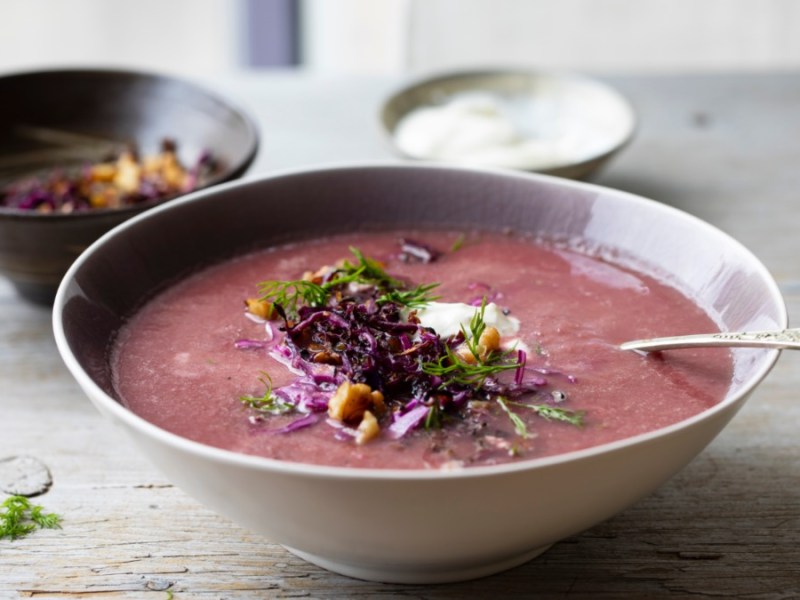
[412,526]
[554,123]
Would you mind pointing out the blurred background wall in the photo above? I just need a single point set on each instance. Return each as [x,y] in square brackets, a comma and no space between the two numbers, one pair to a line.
[191,36]
[201,37]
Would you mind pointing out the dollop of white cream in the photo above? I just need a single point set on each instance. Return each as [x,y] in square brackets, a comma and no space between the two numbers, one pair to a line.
[486,129]
[447,318]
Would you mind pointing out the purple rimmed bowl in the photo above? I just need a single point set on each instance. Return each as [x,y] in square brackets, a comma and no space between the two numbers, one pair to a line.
[412,526]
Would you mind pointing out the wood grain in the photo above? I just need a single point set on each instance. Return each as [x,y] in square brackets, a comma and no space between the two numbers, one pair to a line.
[727,526]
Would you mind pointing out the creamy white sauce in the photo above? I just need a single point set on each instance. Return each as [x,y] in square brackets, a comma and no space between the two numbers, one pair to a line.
[447,318]
[482,128]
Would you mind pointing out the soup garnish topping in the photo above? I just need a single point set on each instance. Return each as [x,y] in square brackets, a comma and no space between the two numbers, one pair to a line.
[125,179]
[369,361]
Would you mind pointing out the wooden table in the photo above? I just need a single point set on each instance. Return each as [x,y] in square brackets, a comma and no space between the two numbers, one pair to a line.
[725,148]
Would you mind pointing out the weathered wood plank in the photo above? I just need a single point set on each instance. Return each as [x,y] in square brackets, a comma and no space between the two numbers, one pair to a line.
[727,526]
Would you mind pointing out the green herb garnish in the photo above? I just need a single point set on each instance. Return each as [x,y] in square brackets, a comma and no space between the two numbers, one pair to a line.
[554,413]
[433,420]
[368,270]
[18,518]
[458,243]
[519,424]
[418,297]
[549,413]
[477,326]
[269,402]
[289,295]
[454,369]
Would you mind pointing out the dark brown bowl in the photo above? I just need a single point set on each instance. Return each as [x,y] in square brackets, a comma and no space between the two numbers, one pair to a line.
[66,109]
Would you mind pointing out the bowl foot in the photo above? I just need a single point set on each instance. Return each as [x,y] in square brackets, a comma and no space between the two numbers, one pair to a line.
[418,576]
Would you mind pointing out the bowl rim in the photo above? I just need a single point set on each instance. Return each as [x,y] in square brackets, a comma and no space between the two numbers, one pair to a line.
[235,170]
[444,76]
[231,458]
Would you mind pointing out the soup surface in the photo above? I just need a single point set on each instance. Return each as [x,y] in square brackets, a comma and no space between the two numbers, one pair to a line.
[195,361]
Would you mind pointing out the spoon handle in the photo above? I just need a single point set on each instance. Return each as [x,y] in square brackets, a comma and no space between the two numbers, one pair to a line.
[780,339]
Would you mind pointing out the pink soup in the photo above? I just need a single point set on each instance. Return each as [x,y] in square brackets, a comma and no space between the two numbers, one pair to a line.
[189,357]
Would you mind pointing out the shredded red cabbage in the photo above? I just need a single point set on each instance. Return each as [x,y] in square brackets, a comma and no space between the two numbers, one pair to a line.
[121,181]
[304,421]
[487,294]
[413,251]
[250,344]
[408,421]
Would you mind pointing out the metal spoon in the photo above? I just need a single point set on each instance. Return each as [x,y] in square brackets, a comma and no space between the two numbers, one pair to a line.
[781,339]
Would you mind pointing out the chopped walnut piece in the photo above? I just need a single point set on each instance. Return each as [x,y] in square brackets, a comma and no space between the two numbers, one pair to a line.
[368,429]
[317,276]
[129,174]
[351,400]
[488,343]
[261,308]
[327,357]
[106,197]
[490,339]
[166,167]
[172,171]
[464,353]
[103,172]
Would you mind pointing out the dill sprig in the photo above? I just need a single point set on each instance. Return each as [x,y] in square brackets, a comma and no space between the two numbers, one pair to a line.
[368,270]
[18,518]
[519,424]
[417,297]
[453,369]
[289,295]
[554,413]
[549,413]
[458,243]
[477,325]
[268,402]
[433,420]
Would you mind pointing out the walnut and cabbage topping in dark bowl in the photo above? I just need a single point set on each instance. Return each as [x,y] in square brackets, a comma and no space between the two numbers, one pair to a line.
[125,178]
[82,150]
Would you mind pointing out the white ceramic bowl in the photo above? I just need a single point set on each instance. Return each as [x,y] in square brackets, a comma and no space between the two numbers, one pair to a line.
[563,124]
[412,526]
